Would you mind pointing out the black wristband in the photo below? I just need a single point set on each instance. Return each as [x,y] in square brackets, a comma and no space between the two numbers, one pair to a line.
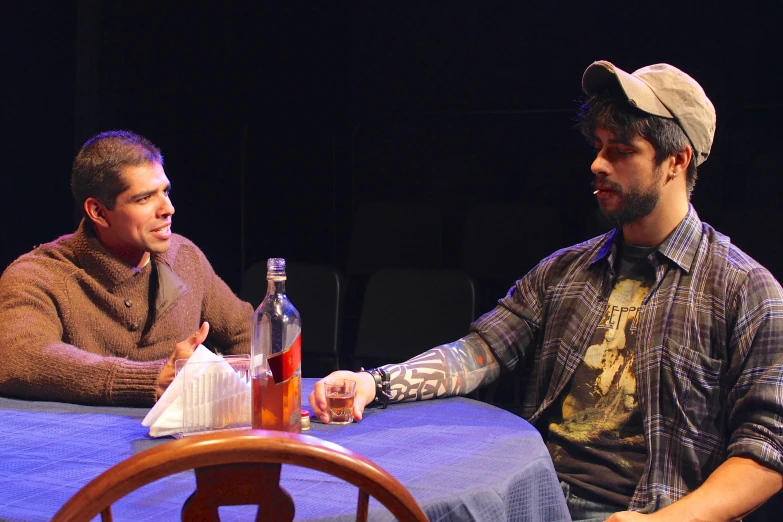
[382,386]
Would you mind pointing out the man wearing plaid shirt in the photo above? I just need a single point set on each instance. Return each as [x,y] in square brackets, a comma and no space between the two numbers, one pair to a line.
[654,371]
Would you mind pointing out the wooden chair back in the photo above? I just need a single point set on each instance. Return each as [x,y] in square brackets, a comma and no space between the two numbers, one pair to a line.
[240,468]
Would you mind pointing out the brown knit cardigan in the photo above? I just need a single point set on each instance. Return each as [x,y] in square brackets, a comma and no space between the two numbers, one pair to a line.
[78,325]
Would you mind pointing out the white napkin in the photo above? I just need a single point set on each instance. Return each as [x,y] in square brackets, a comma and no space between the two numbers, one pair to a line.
[206,394]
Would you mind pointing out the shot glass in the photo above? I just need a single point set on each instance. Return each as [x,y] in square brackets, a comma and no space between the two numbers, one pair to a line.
[339,400]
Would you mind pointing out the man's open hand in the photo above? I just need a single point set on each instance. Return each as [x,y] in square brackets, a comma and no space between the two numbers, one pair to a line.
[182,350]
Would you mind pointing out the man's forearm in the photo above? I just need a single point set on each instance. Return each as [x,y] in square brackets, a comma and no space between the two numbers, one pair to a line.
[736,488]
[450,369]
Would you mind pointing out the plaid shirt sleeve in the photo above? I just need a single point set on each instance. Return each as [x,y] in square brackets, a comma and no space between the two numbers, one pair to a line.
[510,327]
[755,373]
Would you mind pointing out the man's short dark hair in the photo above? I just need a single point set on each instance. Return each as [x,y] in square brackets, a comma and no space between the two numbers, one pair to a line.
[96,171]
[611,111]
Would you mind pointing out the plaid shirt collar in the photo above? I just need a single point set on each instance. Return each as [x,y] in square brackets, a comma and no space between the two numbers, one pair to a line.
[679,247]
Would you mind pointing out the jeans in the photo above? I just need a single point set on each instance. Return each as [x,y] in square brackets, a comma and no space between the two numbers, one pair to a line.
[583,510]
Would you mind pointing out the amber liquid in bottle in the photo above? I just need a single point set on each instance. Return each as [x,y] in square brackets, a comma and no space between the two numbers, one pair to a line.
[276,405]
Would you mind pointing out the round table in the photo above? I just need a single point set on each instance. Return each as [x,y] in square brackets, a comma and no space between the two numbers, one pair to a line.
[462,460]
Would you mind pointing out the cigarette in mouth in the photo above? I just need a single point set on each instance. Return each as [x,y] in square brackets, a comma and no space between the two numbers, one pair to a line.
[594,193]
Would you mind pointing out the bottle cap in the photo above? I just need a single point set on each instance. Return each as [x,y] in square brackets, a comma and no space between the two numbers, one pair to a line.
[275,269]
[305,420]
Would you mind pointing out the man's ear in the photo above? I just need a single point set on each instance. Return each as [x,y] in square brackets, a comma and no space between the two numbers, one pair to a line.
[681,161]
[96,212]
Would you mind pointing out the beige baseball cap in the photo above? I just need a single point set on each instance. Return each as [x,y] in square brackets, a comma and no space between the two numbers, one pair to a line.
[662,90]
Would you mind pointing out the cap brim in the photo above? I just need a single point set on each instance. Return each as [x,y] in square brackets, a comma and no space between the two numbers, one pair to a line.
[602,73]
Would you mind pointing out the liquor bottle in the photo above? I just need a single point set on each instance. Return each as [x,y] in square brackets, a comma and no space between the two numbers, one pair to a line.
[276,357]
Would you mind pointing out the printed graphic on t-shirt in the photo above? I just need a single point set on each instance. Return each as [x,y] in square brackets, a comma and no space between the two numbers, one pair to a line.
[603,395]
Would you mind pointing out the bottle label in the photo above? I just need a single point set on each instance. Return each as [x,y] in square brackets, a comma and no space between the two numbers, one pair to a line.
[284,364]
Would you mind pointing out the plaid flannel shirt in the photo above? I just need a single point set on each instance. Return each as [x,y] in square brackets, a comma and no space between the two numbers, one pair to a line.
[709,361]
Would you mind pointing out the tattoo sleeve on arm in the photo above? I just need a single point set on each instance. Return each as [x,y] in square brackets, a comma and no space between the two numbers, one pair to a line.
[450,369]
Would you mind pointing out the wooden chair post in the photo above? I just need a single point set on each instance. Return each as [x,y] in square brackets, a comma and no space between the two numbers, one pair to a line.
[238,485]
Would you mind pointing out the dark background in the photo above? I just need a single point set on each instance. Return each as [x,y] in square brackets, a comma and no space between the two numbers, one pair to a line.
[280,120]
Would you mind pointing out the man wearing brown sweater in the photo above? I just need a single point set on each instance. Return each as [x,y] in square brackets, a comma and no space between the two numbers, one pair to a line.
[99,316]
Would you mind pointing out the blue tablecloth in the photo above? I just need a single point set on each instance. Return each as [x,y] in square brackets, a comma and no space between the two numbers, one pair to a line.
[462,460]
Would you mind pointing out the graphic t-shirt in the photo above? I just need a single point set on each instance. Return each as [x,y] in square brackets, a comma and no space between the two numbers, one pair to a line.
[595,435]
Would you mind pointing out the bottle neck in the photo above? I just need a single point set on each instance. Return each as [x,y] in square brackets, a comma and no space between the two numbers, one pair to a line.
[275,286]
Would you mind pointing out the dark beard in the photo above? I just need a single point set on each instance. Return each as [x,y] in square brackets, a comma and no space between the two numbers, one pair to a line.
[635,205]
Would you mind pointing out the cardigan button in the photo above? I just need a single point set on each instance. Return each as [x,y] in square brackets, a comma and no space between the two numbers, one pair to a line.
[128,303]
[133,327]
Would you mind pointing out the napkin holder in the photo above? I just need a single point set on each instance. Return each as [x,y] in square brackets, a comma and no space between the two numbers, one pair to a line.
[218,395]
